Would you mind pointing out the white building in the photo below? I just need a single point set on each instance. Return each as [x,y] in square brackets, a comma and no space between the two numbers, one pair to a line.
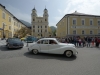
[39,24]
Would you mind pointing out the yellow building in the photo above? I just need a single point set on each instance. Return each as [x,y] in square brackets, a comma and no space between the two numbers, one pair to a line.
[39,24]
[78,24]
[9,24]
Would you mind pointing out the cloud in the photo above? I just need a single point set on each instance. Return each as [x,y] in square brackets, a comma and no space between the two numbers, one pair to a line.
[83,6]
[18,14]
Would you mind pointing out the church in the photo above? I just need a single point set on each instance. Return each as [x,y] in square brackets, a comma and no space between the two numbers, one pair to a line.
[39,24]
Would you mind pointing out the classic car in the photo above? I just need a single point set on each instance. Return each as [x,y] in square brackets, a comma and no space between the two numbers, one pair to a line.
[52,46]
[14,43]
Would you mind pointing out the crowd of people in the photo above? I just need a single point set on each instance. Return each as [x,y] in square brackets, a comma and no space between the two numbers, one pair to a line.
[82,41]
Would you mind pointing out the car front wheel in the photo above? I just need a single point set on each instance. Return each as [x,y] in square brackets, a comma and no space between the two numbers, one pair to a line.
[68,53]
[35,51]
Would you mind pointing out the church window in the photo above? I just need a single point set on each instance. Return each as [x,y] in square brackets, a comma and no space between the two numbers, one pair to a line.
[33,19]
[45,26]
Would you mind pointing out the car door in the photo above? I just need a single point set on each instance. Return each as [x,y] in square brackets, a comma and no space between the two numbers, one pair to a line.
[43,46]
[53,47]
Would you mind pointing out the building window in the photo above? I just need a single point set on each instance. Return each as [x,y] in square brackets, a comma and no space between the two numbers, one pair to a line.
[83,32]
[38,26]
[74,32]
[41,30]
[41,26]
[45,30]
[33,19]
[3,15]
[33,26]
[19,25]
[9,27]
[14,23]
[91,22]
[82,22]
[74,22]
[38,30]
[3,25]
[91,32]
[99,32]
[45,26]
[33,30]
[9,19]
[45,19]
[98,22]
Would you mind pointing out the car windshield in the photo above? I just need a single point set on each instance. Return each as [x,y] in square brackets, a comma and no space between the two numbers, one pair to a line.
[14,40]
[58,40]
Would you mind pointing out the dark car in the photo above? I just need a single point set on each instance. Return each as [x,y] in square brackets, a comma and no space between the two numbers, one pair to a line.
[14,43]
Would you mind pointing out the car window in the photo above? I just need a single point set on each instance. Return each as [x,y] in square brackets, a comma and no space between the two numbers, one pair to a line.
[13,40]
[39,42]
[43,42]
[52,42]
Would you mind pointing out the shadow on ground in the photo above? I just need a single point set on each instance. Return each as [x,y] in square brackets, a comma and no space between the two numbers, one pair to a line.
[49,56]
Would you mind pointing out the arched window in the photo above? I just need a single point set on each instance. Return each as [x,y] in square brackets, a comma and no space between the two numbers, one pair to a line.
[45,19]
[33,19]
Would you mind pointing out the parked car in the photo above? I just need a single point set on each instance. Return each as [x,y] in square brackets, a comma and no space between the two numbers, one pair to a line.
[14,43]
[52,46]
[30,39]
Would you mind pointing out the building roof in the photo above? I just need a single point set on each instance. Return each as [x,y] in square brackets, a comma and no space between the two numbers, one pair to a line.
[12,14]
[79,14]
[82,14]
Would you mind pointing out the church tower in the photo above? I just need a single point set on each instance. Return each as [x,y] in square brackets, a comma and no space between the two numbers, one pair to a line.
[45,15]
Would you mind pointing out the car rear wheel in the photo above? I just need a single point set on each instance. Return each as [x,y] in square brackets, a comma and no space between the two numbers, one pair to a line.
[35,51]
[68,53]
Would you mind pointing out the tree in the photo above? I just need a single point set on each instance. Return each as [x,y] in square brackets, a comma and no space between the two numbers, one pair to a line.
[24,31]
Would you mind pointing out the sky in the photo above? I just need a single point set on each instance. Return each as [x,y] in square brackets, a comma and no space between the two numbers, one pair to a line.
[22,9]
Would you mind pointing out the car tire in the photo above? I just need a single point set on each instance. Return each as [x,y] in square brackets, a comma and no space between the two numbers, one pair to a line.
[68,53]
[34,51]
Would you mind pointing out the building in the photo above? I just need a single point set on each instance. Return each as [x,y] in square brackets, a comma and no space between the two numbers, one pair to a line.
[9,24]
[78,24]
[39,24]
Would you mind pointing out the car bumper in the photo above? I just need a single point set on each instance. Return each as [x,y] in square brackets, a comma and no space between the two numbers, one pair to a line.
[15,46]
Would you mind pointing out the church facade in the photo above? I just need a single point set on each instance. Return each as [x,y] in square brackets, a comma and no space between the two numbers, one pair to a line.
[39,24]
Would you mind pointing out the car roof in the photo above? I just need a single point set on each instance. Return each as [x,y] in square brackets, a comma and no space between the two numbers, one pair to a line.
[13,38]
[48,39]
